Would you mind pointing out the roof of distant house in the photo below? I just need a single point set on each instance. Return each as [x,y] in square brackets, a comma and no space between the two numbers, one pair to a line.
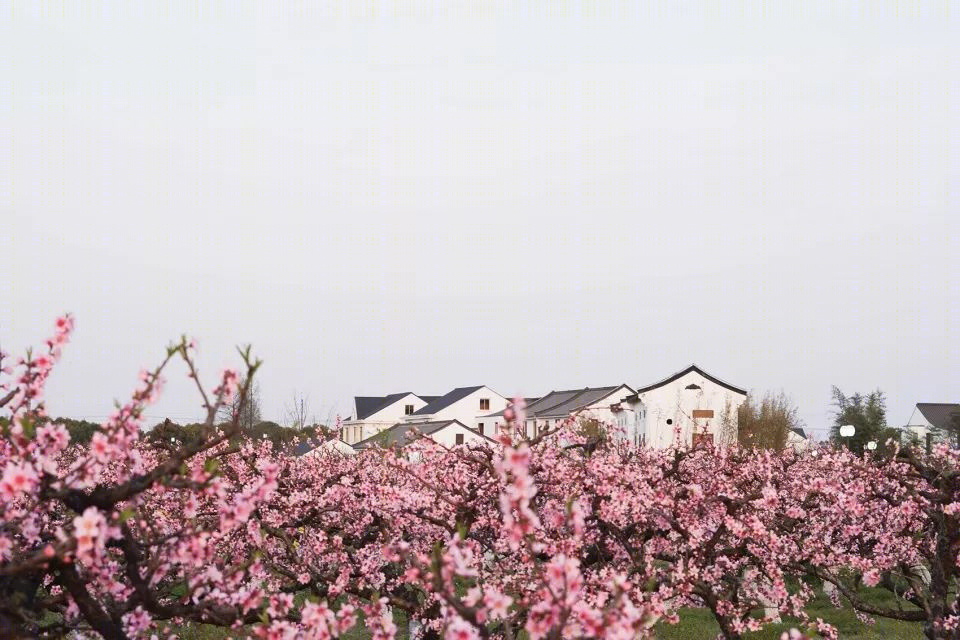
[404,433]
[939,414]
[445,401]
[692,368]
[305,446]
[369,405]
[800,432]
[549,408]
[563,403]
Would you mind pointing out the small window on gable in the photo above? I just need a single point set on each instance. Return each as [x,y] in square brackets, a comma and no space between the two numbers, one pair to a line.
[408,409]
[669,420]
[459,438]
[693,386]
[484,404]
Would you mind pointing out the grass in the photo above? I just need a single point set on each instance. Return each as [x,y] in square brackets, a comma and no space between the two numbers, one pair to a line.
[695,624]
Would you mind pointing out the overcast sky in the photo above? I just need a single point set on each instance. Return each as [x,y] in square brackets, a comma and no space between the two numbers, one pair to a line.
[399,196]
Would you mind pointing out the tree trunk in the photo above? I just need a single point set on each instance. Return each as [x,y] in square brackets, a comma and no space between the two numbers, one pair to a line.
[16,593]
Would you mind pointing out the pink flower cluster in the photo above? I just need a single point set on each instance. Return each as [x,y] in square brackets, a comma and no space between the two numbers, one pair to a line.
[554,537]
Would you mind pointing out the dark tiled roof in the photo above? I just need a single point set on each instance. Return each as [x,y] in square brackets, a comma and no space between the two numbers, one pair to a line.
[689,369]
[583,399]
[800,432]
[404,433]
[939,414]
[445,401]
[428,399]
[369,405]
[526,403]
[305,446]
[563,403]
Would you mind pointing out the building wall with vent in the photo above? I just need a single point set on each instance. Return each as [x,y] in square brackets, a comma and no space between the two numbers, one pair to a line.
[691,407]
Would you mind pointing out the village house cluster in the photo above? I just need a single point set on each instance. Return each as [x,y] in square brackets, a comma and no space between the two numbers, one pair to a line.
[691,405]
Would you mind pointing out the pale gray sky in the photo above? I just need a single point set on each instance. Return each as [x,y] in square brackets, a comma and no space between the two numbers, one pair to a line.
[404,196]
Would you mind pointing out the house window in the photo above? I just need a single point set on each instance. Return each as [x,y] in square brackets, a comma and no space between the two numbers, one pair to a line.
[480,427]
[408,409]
[485,404]
[703,413]
[459,438]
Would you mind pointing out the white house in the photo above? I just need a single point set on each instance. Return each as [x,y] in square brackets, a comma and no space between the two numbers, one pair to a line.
[797,439]
[689,405]
[929,421]
[467,405]
[448,433]
[376,413]
[604,404]
[315,447]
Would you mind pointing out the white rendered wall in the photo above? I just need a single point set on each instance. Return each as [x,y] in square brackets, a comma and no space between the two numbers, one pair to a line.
[356,430]
[674,402]
[467,409]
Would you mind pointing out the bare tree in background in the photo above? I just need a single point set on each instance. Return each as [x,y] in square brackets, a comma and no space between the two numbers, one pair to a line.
[247,409]
[298,412]
[766,422]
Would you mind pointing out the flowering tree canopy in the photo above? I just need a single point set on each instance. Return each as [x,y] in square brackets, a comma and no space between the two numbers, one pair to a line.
[565,535]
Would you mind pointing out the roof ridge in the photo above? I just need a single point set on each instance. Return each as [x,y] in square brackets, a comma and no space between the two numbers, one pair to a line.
[693,367]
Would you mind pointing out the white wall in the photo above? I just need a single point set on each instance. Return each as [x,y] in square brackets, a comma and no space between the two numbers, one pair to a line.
[354,431]
[467,410]
[448,436]
[335,446]
[797,442]
[673,402]
[599,410]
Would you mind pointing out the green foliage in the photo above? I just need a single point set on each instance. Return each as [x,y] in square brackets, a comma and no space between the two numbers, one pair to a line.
[81,431]
[188,434]
[592,428]
[868,415]
[697,624]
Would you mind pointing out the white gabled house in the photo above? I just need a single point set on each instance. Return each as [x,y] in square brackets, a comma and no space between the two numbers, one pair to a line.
[377,413]
[604,404]
[467,405]
[319,446]
[797,439]
[448,433]
[692,405]
[929,422]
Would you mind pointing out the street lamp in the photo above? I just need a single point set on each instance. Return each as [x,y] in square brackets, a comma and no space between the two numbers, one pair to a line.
[872,445]
[847,431]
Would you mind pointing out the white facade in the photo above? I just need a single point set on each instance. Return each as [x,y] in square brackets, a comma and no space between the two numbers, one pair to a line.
[797,442]
[607,405]
[930,423]
[456,434]
[392,411]
[918,428]
[470,405]
[335,446]
[689,403]
[452,435]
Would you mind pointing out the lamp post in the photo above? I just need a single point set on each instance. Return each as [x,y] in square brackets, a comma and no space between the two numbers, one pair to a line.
[847,431]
